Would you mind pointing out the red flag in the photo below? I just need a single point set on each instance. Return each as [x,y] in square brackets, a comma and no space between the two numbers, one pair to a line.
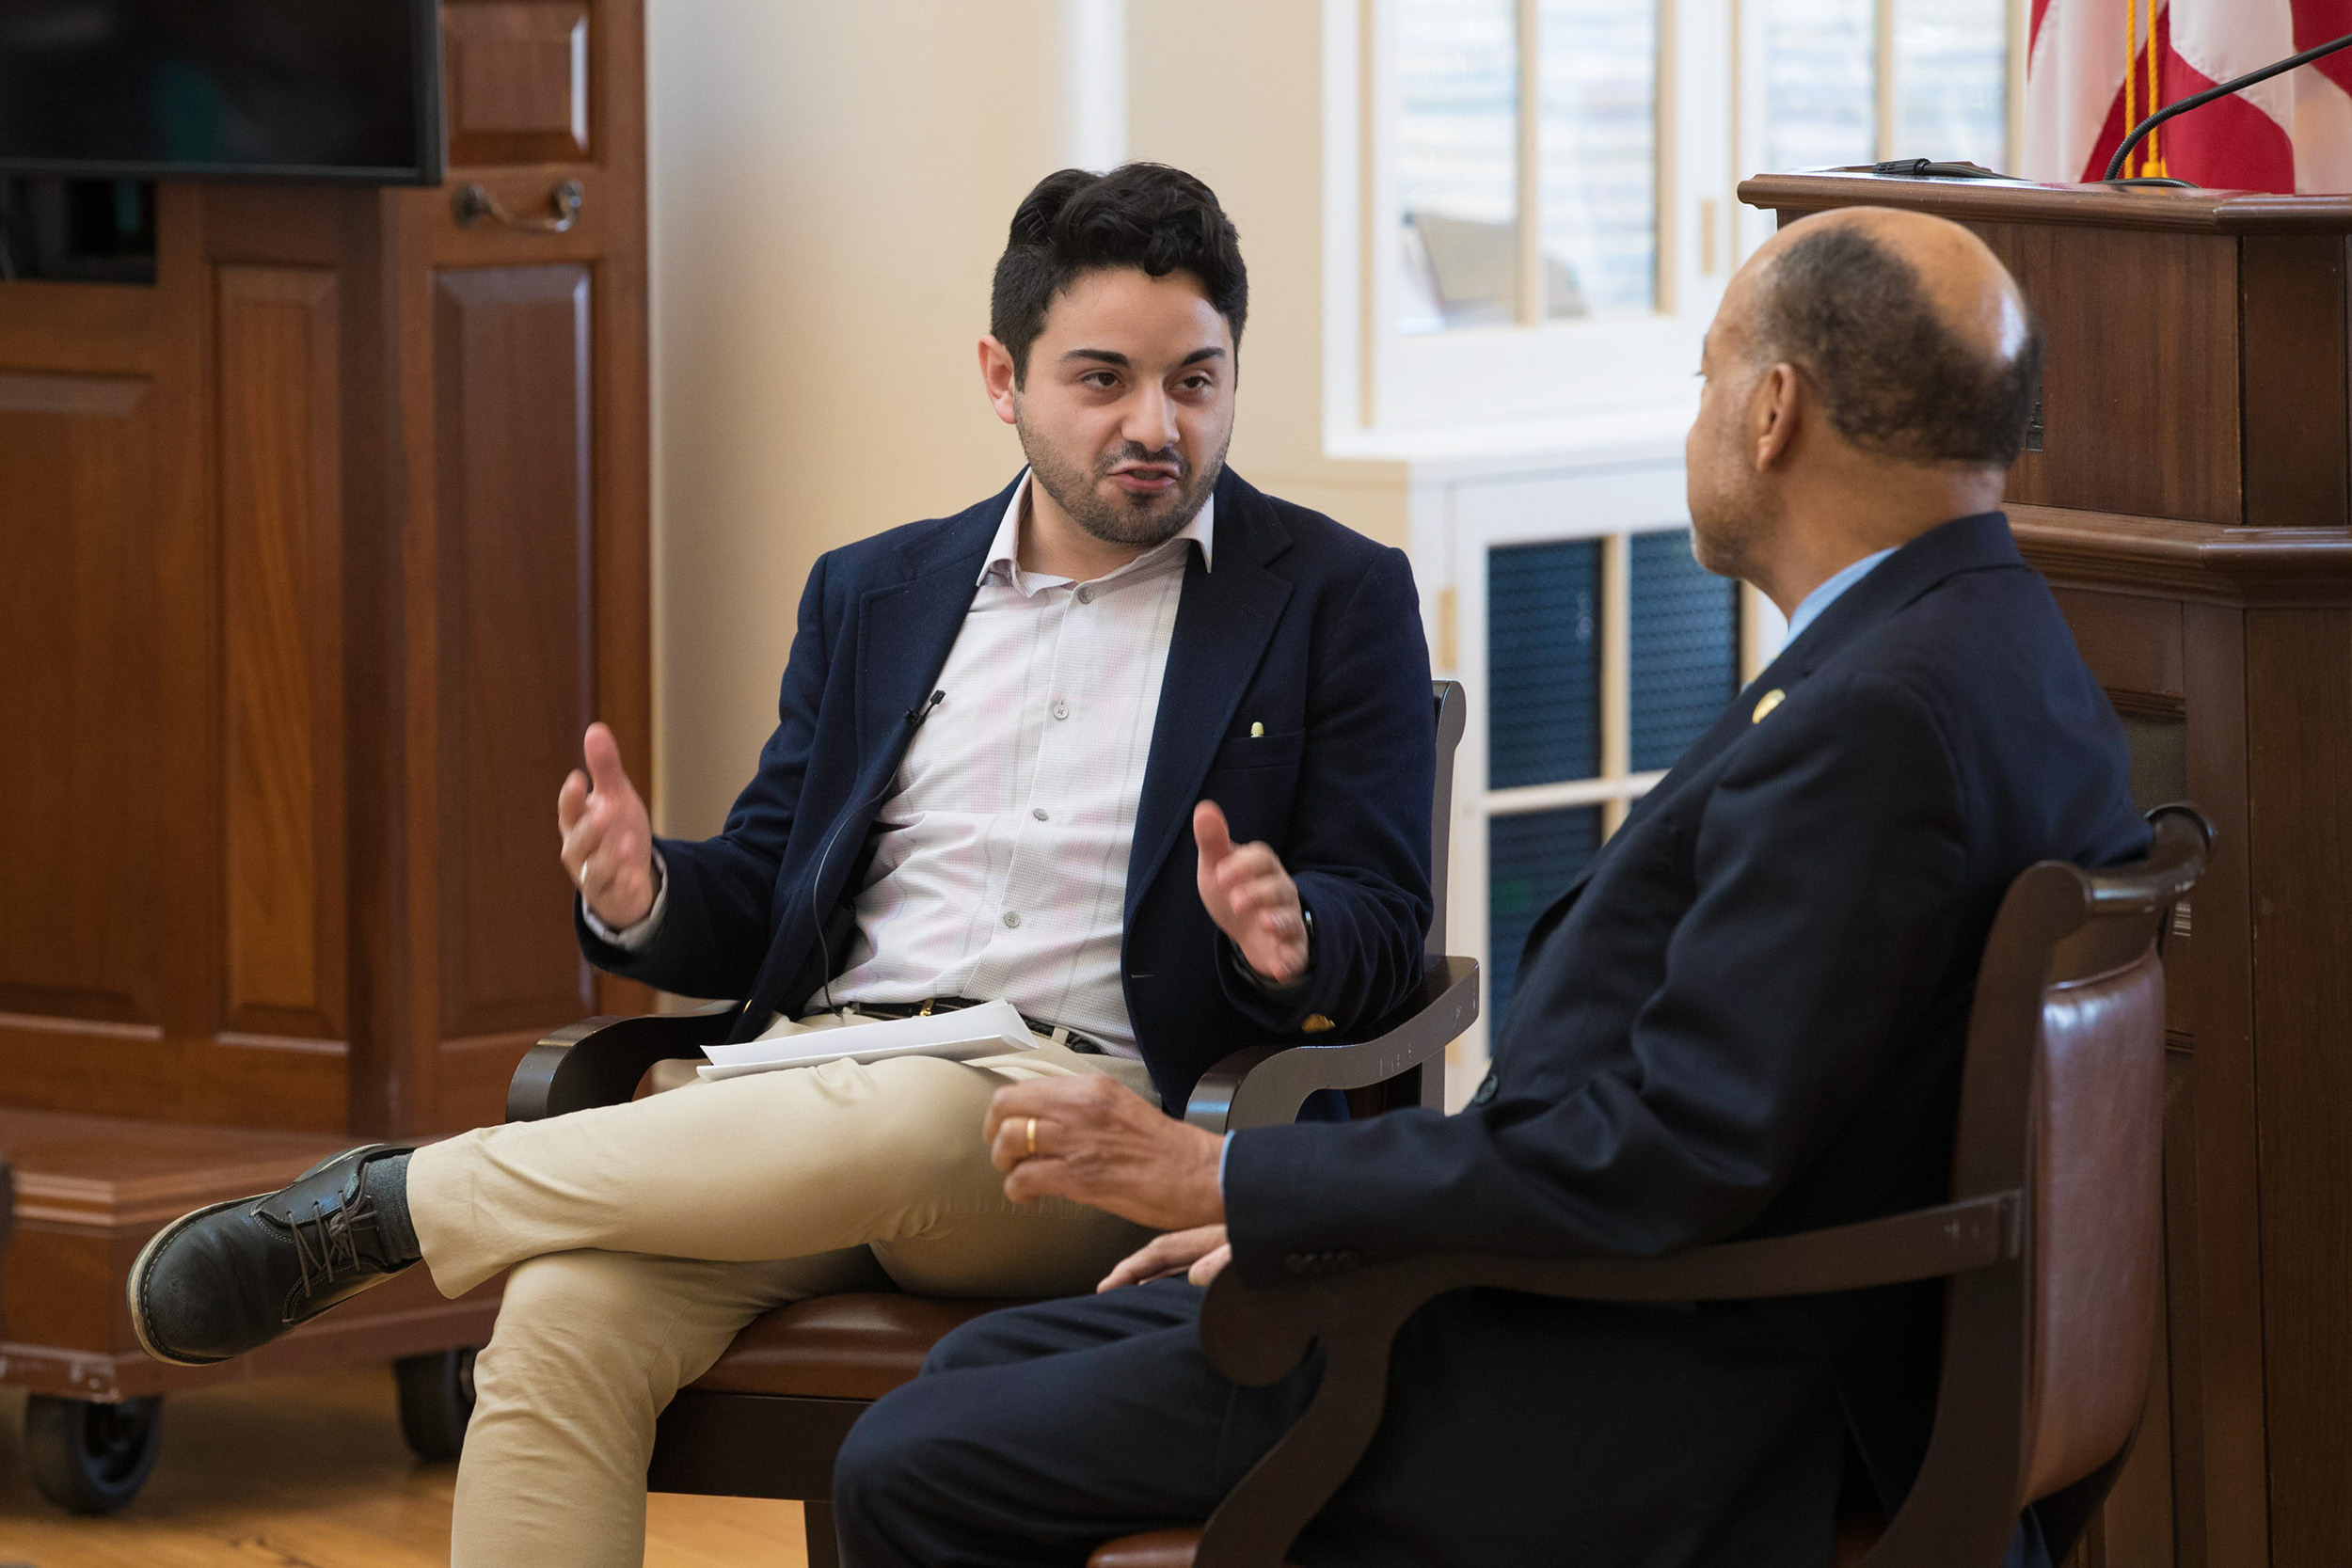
[2096,67]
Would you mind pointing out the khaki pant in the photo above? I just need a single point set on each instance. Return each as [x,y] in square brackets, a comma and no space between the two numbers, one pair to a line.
[644,1236]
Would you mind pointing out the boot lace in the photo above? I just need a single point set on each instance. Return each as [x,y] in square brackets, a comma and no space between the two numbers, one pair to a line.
[325,1244]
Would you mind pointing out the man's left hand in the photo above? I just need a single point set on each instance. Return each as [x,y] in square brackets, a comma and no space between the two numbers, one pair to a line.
[1094,1140]
[1200,1255]
[1251,897]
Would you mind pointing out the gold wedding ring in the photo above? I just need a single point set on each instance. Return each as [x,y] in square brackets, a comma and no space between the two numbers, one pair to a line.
[1033,1137]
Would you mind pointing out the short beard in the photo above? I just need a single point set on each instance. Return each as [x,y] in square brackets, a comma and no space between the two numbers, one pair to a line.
[1724,545]
[1731,539]
[1132,523]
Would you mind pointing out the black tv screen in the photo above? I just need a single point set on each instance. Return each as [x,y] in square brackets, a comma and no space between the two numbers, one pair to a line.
[311,89]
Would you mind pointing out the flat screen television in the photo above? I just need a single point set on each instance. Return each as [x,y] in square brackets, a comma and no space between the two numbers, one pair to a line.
[173,90]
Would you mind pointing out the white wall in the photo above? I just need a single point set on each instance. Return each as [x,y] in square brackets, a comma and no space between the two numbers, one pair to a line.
[830,187]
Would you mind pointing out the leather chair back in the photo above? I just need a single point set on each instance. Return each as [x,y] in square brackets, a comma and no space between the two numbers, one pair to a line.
[2046,1357]
[2095,1225]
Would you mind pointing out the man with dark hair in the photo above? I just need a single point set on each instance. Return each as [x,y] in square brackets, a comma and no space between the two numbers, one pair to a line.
[1744,1018]
[1129,745]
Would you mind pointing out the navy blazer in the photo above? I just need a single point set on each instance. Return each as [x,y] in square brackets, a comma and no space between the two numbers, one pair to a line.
[1305,627]
[1746,1017]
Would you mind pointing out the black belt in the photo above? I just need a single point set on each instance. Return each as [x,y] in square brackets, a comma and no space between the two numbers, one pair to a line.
[1071,1038]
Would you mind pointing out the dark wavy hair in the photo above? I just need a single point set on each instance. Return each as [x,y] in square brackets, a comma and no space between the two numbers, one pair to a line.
[1145,216]
[1893,376]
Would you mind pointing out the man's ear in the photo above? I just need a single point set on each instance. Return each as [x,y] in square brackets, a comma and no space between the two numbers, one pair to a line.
[997,377]
[1775,415]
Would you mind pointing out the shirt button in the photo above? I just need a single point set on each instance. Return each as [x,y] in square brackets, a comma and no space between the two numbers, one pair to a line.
[1039,812]
[1013,917]
[1061,709]
[1085,595]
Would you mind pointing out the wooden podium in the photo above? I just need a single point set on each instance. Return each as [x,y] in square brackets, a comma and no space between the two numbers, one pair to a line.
[2188,490]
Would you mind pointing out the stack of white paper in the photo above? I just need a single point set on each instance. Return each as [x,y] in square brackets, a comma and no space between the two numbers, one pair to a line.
[990,1029]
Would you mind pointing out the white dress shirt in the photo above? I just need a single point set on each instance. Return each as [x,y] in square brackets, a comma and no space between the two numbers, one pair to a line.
[1001,871]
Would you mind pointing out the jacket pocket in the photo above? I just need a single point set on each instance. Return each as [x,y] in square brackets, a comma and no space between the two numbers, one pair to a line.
[1244,752]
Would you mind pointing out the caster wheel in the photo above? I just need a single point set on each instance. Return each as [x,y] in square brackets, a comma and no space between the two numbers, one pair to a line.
[436,1402]
[88,1457]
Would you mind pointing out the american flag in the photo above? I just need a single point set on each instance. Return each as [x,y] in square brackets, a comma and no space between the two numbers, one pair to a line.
[2097,67]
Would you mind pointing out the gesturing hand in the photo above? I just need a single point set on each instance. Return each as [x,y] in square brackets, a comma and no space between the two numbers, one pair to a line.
[1200,1255]
[608,838]
[1251,897]
[1096,1141]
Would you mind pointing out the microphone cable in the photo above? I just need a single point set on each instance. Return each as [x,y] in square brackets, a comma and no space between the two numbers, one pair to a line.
[825,950]
[2239,84]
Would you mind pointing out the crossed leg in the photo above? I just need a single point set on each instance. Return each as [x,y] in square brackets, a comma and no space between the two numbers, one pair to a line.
[644,1236]
[589,1349]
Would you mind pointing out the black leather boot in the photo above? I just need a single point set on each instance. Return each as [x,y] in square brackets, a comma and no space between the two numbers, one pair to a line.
[231,1279]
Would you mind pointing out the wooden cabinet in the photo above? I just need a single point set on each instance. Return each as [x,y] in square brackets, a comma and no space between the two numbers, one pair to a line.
[319,554]
[2191,501]
[316,556]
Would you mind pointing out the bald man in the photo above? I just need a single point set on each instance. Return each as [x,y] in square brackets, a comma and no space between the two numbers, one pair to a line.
[1746,1018]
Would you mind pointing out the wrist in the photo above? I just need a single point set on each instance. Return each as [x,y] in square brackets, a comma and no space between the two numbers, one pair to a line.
[634,932]
[1207,1183]
[1298,978]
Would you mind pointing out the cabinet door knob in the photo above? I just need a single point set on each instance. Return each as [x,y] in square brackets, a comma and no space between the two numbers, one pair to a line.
[472,203]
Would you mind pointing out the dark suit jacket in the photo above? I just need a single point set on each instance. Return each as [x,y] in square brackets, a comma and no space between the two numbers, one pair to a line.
[1304,627]
[1746,1018]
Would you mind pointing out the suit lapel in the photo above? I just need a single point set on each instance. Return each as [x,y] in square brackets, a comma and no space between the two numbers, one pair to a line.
[1223,624]
[906,629]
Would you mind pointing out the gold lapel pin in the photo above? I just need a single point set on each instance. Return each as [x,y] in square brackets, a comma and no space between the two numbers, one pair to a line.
[1767,702]
[1257,730]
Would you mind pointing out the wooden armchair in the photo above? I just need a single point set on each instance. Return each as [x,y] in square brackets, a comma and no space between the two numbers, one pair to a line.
[2051,1241]
[767,1420]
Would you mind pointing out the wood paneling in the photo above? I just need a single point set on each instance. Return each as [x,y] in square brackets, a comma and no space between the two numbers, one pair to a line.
[280,503]
[78,697]
[2293,309]
[308,567]
[2220,1458]
[139,1069]
[518,75]
[2302,753]
[2142,370]
[2133,645]
[515,548]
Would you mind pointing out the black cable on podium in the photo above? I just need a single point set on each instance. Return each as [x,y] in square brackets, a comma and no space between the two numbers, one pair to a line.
[2237,84]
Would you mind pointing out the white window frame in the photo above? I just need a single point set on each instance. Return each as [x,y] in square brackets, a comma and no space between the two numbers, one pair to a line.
[1395,390]
[1754,225]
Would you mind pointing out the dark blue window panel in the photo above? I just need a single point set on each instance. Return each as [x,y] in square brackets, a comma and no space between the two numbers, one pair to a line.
[1685,634]
[1531,859]
[1543,663]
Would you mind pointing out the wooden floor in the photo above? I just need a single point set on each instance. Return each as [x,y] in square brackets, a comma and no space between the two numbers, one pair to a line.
[310,1472]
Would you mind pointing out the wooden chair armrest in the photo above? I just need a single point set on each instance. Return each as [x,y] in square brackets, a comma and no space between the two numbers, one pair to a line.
[1263,1086]
[1256,1334]
[598,1061]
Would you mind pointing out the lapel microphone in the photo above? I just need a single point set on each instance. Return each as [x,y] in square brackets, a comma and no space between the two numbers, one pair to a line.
[916,715]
